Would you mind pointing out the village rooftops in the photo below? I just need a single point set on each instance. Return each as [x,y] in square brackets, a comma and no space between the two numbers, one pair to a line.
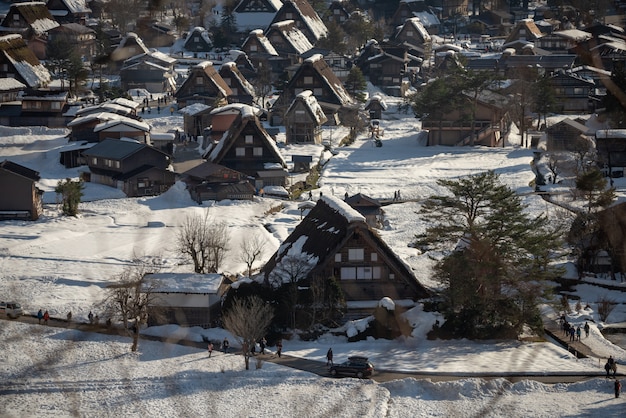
[15,50]
[101,117]
[194,109]
[135,124]
[246,111]
[11,84]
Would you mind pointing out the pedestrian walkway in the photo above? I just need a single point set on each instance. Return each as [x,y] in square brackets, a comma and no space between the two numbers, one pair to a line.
[578,348]
[320,368]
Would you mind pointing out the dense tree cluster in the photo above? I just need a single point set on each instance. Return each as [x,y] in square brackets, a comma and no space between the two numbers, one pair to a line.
[496,257]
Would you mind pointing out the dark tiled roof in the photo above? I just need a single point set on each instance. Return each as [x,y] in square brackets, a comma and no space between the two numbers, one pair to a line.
[20,170]
[114,149]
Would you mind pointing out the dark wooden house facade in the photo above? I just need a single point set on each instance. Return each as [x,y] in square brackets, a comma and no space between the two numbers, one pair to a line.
[568,135]
[69,11]
[136,169]
[490,128]
[241,90]
[209,181]
[198,40]
[248,148]
[334,240]
[315,75]
[20,197]
[204,85]
[304,119]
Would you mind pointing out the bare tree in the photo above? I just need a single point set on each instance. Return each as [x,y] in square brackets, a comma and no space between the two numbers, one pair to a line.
[248,320]
[131,298]
[204,241]
[554,165]
[251,248]
[605,307]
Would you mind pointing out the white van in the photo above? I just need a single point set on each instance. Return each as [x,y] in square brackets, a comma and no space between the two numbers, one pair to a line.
[11,309]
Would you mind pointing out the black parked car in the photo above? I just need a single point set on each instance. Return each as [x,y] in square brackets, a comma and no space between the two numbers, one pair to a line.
[355,366]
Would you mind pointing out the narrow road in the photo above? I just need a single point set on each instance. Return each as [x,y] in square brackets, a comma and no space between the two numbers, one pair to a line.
[320,368]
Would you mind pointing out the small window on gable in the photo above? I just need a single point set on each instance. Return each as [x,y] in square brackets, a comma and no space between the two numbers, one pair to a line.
[409,33]
[16,17]
[240,152]
[356,254]
[289,15]
[308,80]
[249,139]
[253,48]
[317,92]
[257,151]
[338,258]
[196,39]
[199,81]
[374,257]
[94,160]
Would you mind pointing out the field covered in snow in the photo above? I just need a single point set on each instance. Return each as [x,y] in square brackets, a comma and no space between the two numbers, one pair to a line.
[62,264]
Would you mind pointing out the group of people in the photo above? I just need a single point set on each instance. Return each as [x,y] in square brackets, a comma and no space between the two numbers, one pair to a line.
[573,332]
[611,365]
[43,316]
[262,345]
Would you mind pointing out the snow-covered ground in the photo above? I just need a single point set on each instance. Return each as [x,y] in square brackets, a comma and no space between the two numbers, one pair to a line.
[62,264]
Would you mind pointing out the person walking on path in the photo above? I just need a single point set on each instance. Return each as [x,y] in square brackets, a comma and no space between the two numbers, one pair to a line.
[607,367]
[586,330]
[329,357]
[618,388]
[69,316]
[279,348]
[40,316]
[210,348]
[90,316]
[225,345]
[46,316]
[578,332]
[262,345]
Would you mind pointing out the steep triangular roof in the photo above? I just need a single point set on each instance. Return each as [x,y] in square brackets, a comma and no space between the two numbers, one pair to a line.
[258,6]
[325,231]
[414,29]
[35,14]
[248,115]
[258,38]
[72,6]
[290,34]
[214,82]
[201,33]
[302,11]
[28,67]
[311,105]
[131,45]
[525,29]
[327,76]
[253,14]
[230,70]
